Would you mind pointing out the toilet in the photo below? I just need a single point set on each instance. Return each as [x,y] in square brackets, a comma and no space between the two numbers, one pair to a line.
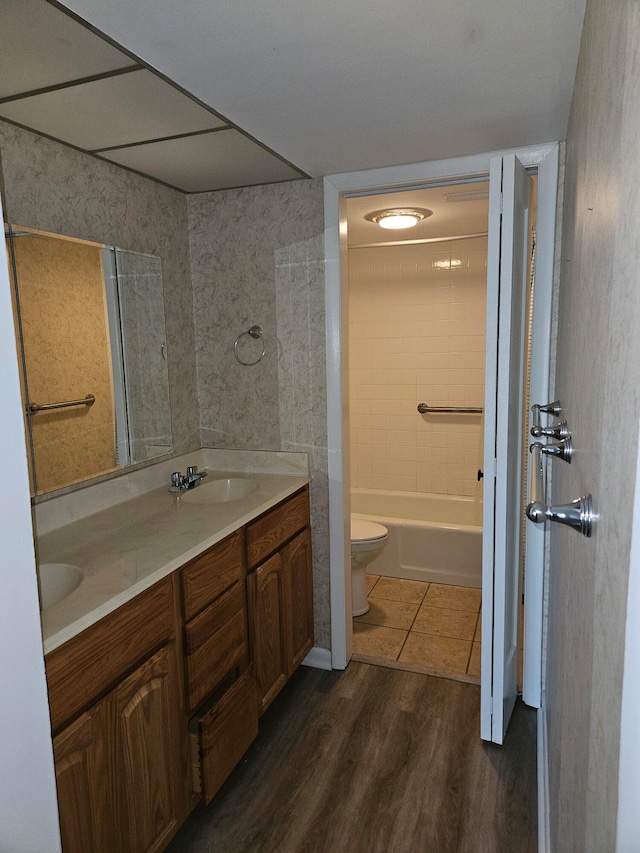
[368,538]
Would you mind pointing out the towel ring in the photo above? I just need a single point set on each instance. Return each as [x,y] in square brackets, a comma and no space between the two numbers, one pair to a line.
[254,332]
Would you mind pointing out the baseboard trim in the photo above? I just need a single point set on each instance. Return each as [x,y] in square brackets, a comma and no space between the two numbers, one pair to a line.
[318,658]
[544,828]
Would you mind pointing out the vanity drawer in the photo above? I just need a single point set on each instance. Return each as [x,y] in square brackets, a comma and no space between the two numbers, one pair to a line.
[89,664]
[206,577]
[215,644]
[270,531]
[226,731]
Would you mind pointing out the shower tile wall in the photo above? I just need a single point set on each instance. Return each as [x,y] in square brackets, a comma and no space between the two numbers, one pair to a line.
[416,334]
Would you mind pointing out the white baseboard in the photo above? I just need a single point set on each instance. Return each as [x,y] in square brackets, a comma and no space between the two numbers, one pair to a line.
[318,658]
[544,828]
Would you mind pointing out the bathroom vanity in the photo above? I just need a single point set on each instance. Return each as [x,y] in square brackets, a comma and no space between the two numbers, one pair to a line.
[156,700]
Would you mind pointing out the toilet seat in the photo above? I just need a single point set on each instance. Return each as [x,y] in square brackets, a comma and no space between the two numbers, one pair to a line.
[366,531]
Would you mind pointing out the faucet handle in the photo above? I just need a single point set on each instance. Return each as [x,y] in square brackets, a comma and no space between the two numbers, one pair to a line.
[192,470]
[176,479]
[560,430]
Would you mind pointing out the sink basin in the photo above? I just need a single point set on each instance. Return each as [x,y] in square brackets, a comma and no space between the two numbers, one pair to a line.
[56,581]
[220,491]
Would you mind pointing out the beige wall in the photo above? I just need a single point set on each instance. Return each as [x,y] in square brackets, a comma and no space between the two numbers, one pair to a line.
[63,312]
[598,382]
[416,334]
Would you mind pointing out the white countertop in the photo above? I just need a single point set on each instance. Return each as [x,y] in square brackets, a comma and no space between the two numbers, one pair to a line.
[126,548]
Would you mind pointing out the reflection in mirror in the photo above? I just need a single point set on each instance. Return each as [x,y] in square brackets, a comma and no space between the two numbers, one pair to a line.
[91,322]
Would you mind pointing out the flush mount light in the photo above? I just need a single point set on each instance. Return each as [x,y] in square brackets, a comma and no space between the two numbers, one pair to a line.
[398,217]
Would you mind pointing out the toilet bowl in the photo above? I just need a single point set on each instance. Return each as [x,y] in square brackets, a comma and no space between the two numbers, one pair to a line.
[368,538]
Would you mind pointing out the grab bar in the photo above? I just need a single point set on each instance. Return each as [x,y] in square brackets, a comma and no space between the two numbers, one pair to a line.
[578,514]
[89,400]
[426,409]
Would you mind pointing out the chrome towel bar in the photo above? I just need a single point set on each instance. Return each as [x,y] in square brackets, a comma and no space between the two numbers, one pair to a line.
[426,409]
[89,400]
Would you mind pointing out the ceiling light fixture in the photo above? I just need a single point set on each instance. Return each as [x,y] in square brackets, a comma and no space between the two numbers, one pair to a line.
[398,217]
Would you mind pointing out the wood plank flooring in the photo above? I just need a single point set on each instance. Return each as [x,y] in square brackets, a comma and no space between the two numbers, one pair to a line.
[374,760]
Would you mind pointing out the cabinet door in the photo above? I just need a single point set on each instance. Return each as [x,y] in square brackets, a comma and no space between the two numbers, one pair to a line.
[268,606]
[149,766]
[299,579]
[82,777]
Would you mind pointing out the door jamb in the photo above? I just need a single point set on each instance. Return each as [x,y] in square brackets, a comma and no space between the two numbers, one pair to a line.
[545,157]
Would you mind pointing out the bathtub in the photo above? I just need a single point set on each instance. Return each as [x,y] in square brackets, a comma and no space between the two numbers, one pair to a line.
[433,538]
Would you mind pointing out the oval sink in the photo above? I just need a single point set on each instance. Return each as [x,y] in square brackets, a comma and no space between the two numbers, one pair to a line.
[220,491]
[56,581]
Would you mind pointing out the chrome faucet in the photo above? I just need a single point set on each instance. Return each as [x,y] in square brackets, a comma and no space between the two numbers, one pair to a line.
[181,482]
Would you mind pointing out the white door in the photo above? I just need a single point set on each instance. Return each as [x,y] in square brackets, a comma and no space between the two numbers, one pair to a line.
[507,274]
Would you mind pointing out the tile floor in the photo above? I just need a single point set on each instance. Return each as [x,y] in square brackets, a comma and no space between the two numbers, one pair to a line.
[422,627]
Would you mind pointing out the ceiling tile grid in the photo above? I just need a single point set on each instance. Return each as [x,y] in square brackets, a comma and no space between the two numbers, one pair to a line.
[62,80]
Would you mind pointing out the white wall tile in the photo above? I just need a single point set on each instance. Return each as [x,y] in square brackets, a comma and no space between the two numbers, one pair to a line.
[416,335]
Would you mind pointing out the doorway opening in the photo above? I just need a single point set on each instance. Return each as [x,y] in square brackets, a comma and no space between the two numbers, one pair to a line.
[416,330]
[507,260]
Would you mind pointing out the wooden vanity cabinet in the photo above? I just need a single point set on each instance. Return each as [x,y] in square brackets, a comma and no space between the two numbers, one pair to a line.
[149,749]
[166,690]
[120,743]
[215,628]
[280,593]
[85,803]
[219,683]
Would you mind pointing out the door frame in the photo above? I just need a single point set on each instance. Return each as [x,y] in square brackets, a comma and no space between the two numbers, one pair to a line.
[394,178]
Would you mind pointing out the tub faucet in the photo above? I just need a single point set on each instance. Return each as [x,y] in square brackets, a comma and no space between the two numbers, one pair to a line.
[181,482]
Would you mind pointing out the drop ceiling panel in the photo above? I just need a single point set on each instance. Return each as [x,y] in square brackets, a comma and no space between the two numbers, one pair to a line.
[40,46]
[350,84]
[209,161]
[115,111]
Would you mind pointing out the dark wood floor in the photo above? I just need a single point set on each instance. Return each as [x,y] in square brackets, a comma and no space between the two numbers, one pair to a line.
[375,760]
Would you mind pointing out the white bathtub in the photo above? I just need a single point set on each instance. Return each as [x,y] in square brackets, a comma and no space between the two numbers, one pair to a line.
[433,538]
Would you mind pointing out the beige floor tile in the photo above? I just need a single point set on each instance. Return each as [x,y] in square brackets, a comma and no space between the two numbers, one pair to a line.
[392,614]
[477,637]
[443,654]
[377,641]
[474,660]
[453,597]
[371,580]
[446,623]
[398,589]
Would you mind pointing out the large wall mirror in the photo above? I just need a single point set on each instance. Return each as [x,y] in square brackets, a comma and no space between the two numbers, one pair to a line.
[91,330]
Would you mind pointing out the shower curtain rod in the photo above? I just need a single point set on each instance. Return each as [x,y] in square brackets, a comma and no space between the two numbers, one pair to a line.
[423,240]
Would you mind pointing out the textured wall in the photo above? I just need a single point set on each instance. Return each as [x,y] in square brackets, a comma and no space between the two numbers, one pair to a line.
[256,256]
[598,382]
[144,334]
[62,306]
[55,188]
[416,334]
